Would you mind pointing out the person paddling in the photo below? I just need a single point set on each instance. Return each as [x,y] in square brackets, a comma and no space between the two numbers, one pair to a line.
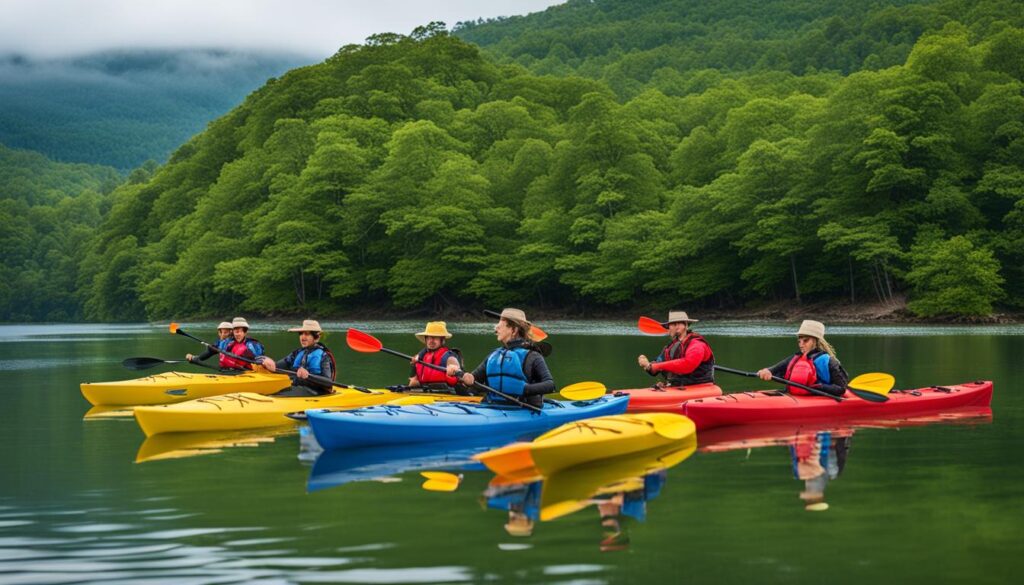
[241,345]
[312,357]
[686,360]
[223,340]
[435,337]
[516,368]
[814,363]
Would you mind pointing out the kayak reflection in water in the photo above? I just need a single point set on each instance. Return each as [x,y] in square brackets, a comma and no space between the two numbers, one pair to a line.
[516,368]
[618,505]
[818,459]
[312,357]
[814,363]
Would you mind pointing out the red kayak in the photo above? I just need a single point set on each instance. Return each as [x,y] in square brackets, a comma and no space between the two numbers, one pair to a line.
[669,398]
[770,406]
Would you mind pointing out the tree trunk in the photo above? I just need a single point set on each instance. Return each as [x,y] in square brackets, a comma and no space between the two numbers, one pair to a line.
[849,262]
[796,285]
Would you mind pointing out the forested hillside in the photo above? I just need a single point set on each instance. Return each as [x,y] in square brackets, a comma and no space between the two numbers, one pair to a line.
[415,172]
[123,108]
[48,217]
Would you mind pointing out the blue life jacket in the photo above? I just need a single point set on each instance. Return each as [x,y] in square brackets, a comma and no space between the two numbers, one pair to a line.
[312,359]
[821,368]
[505,372]
[224,343]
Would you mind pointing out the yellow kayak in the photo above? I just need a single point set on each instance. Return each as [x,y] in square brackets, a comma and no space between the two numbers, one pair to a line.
[571,489]
[587,440]
[246,410]
[170,387]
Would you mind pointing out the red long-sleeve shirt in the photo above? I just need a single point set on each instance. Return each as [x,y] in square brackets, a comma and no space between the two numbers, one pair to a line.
[696,353]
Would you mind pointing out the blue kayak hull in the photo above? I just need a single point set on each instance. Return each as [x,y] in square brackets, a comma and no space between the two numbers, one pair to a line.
[447,421]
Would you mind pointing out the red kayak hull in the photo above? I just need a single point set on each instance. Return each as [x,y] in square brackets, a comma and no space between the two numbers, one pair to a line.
[668,399]
[765,407]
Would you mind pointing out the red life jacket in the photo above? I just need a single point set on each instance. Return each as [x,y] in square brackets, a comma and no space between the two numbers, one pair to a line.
[802,371]
[702,374]
[429,375]
[237,348]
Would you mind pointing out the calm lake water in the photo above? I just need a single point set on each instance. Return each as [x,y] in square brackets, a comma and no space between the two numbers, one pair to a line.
[913,503]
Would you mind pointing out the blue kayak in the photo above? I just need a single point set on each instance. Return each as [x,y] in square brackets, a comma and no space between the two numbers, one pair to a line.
[447,421]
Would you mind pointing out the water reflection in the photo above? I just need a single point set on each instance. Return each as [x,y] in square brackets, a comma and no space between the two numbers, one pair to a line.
[618,488]
[818,452]
[180,445]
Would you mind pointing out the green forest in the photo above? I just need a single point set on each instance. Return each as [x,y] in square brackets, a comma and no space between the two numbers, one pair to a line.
[600,155]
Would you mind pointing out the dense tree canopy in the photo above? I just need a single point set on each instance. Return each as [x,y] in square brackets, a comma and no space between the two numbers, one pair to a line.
[416,172]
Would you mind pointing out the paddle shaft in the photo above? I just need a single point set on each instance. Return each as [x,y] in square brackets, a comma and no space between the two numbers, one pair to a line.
[150,362]
[460,373]
[780,381]
[313,377]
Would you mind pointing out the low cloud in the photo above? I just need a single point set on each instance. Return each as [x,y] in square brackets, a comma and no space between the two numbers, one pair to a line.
[317,28]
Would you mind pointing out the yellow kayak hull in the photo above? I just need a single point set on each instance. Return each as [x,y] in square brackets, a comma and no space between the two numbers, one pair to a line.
[588,440]
[171,387]
[245,410]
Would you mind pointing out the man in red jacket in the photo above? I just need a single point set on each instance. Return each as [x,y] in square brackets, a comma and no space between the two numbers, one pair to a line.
[686,360]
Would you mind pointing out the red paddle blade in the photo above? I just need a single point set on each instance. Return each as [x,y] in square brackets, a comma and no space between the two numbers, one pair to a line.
[650,326]
[173,328]
[537,333]
[363,342]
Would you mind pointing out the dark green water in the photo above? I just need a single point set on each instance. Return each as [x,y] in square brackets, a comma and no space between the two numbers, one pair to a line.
[919,504]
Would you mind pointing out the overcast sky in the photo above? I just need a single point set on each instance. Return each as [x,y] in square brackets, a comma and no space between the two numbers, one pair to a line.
[59,28]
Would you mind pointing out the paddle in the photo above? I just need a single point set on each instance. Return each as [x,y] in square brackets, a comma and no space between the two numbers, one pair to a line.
[175,329]
[143,363]
[535,332]
[650,326]
[440,481]
[867,385]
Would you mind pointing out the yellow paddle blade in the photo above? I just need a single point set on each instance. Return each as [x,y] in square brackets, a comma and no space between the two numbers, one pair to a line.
[174,328]
[877,382]
[440,481]
[671,426]
[583,391]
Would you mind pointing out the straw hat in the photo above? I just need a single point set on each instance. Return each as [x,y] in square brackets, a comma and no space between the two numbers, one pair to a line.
[519,524]
[434,329]
[678,317]
[517,316]
[814,329]
[239,322]
[308,325]
[224,325]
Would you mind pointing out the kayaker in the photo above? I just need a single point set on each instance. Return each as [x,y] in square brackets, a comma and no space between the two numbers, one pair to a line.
[686,360]
[516,368]
[223,339]
[241,345]
[435,337]
[814,363]
[312,357]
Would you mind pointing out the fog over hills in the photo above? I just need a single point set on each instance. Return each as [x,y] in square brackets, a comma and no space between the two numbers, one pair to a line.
[123,107]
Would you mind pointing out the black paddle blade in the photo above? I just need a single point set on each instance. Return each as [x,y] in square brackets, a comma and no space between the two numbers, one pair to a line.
[142,363]
[869,396]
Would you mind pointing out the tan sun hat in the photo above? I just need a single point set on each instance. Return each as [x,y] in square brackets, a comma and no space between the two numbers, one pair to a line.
[678,317]
[519,524]
[434,329]
[225,325]
[308,325]
[239,322]
[516,315]
[814,329]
